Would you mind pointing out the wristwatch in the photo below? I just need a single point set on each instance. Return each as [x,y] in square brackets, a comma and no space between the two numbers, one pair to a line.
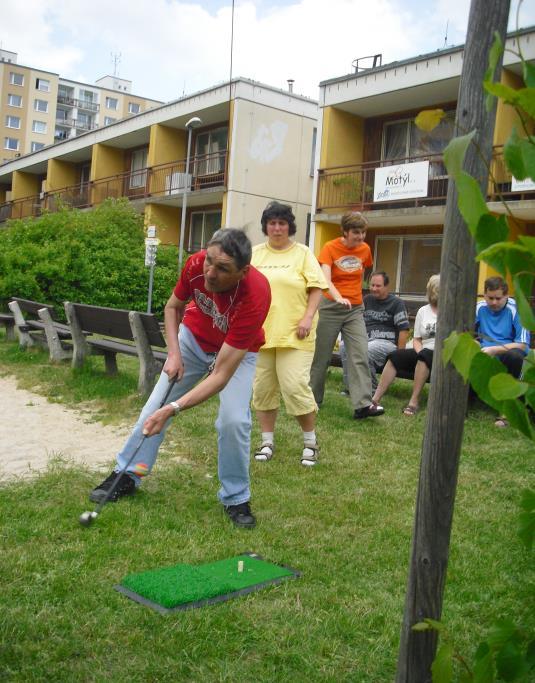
[176,407]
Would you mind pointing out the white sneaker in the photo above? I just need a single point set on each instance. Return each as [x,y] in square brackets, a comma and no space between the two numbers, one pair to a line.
[309,458]
[265,452]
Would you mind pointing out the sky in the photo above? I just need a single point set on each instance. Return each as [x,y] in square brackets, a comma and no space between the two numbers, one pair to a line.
[172,48]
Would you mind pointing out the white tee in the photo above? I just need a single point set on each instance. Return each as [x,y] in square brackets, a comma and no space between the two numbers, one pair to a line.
[425,326]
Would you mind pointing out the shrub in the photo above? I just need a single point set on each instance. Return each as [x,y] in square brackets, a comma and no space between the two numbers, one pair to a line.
[93,257]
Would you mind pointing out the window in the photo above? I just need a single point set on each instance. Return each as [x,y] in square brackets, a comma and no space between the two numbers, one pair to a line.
[11,143]
[138,168]
[211,147]
[41,105]
[133,108]
[36,146]
[108,120]
[202,227]
[16,79]
[42,84]
[409,260]
[112,103]
[313,156]
[39,127]
[14,100]
[13,121]
[403,140]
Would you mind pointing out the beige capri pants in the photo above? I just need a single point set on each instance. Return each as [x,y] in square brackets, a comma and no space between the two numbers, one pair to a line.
[284,371]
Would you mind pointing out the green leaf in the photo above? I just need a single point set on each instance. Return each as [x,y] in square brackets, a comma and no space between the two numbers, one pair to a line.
[512,153]
[482,369]
[505,386]
[471,202]
[495,257]
[530,654]
[528,70]
[435,625]
[491,230]
[527,148]
[450,344]
[421,626]
[509,662]
[484,668]
[500,632]
[527,502]
[495,53]
[526,520]
[455,152]
[525,311]
[515,411]
[504,92]
[525,98]
[463,353]
[442,667]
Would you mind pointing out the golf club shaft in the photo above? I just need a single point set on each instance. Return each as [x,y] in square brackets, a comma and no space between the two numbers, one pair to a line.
[136,450]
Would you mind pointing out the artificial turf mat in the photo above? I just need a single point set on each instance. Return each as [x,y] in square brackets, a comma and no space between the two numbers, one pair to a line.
[185,586]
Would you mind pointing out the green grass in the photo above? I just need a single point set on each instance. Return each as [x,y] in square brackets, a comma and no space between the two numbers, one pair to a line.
[345,525]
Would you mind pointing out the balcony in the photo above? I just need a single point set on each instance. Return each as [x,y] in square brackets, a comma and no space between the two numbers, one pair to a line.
[85,105]
[82,124]
[164,181]
[353,187]
[67,100]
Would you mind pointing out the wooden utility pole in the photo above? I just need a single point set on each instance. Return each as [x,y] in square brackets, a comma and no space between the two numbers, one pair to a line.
[448,394]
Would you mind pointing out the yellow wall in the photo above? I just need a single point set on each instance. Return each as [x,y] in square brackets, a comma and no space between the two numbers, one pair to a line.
[506,116]
[342,138]
[166,145]
[167,222]
[324,233]
[517,227]
[60,174]
[24,185]
[2,195]
[106,161]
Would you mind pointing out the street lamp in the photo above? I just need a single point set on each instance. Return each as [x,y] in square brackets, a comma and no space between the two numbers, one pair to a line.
[194,122]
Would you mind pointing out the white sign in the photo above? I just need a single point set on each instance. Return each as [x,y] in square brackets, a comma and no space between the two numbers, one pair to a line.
[151,231]
[403,181]
[151,241]
[525,185]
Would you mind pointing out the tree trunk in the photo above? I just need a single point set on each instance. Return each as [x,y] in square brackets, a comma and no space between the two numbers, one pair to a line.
[448,394]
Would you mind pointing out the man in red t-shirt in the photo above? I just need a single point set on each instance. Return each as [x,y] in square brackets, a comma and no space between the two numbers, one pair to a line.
[344,261]
[221,326]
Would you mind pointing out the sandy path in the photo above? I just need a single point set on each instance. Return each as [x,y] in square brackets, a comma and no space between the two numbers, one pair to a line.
[32,431]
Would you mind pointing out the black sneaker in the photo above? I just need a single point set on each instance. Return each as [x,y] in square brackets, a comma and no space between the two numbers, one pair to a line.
[126,486]
[372,410]
[241,515]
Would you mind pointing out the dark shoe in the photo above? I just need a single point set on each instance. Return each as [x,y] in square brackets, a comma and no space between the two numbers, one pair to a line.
[126,486]
[241,515]
[370,411]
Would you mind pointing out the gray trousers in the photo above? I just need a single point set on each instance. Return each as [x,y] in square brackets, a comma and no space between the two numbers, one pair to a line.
[378,350]
[333,320]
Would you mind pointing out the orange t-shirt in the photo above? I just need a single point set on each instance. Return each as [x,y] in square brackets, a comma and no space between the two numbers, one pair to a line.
[347,267]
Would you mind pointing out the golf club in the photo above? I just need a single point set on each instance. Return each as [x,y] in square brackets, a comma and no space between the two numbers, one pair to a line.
[87,518]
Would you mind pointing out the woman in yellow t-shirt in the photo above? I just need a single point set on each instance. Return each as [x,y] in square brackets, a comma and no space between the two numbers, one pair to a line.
[283,365]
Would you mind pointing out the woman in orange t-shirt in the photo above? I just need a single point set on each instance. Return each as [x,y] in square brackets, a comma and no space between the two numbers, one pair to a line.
[344,261]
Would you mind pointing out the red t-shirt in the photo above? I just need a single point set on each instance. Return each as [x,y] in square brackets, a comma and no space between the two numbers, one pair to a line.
[234,317]
[347,267]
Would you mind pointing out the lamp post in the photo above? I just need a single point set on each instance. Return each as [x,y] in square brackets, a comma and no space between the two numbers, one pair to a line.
[194,122]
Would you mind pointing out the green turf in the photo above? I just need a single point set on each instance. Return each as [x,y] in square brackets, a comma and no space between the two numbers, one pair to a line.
[184,583]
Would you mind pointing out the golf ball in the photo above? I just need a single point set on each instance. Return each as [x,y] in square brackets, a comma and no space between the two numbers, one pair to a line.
[141,469]
[86,518]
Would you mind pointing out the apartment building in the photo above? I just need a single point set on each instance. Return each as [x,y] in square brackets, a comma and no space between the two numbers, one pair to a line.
[39,108]
[369,146]
[249,143]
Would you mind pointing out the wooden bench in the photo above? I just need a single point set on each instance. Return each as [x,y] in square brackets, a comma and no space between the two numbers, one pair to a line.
[97,330]
[8,321]
[36,324]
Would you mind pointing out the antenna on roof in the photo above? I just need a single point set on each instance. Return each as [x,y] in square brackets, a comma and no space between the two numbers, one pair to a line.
[116,60]
[446,36]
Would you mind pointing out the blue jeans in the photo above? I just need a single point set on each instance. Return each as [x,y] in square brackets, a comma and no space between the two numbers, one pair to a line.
[233,422]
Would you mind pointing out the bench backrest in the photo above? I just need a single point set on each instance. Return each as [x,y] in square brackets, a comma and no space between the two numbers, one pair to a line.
[114,322]
[28,306]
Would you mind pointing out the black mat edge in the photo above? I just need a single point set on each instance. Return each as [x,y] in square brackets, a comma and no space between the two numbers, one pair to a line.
[211,601]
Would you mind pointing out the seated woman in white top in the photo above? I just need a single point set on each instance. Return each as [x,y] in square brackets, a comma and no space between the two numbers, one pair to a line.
[419,359]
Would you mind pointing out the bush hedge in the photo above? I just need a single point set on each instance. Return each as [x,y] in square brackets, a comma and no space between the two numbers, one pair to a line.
[94,257]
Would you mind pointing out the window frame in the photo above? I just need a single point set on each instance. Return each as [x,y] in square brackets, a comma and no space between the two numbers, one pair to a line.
[34,142]
[41,81]
[204,240]
[134,104]
[108,120]
[12,149]
[35,107]
[8,122]
[39,132]
[112,99]
[12,80]
[10,104]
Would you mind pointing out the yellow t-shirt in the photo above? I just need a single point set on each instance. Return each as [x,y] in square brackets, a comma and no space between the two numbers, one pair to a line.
[290,273]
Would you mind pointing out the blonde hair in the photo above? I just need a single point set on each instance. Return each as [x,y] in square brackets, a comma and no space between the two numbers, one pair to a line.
[353,220]
[432,289]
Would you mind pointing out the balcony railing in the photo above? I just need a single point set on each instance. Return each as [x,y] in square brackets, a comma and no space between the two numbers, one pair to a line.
[86,105]
[166,180]
[352,187]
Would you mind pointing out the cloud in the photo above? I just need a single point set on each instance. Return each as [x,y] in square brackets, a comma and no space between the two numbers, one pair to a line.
[169,47]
